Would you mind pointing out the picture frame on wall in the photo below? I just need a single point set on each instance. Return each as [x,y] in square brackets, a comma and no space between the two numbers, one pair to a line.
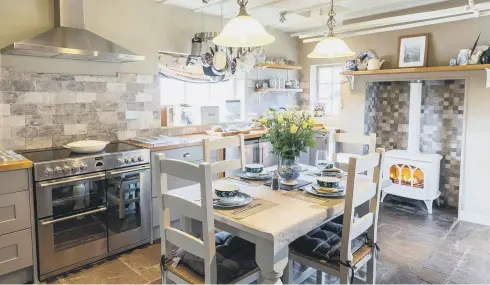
[412,50]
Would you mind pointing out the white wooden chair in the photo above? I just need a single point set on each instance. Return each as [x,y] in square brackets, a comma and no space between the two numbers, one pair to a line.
[359,190]
[171,236]
[232,143]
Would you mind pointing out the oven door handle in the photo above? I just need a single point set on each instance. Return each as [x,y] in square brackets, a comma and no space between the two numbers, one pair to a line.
[71,180]
[47,223]
[140,168]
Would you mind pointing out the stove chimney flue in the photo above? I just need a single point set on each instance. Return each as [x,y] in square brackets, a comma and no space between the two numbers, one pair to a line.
[414,116]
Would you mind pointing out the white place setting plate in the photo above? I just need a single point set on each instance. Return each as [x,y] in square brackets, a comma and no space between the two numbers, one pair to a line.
[312,190]
[264,175]
[241,199]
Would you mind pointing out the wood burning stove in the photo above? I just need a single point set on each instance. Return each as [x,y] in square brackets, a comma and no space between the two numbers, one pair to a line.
[414,175]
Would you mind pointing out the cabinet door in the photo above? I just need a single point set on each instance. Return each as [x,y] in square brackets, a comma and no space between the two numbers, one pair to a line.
[14,212]
[18,181]
[15,251]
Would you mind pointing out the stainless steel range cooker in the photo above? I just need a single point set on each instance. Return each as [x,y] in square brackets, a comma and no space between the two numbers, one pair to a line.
[89,206]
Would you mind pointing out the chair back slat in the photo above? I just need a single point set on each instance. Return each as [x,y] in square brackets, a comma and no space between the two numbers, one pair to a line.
[366,191]
[185,241]
[183,206]
[181,169]
[366,162]
[360,189]
[225,165]
[210,145]
[353,138]
[361,225]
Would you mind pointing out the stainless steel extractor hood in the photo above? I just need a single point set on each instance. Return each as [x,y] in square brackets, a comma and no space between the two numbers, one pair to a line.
[70,40]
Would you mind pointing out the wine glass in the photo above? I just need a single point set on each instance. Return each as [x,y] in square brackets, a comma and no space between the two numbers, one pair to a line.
[322,161]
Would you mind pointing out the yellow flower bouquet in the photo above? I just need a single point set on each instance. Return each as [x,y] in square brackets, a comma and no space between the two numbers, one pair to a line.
[290,132]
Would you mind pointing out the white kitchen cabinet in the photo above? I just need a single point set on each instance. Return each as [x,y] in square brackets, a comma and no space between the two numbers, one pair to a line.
[16,243]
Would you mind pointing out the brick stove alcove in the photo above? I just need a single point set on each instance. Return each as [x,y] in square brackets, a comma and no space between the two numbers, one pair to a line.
[421,126]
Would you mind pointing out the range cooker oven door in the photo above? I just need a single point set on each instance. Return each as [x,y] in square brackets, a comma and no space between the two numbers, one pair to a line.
[128,207]
[71,222]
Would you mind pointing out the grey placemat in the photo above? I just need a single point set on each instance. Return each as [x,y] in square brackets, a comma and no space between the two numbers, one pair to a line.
[313,199]
[256,206]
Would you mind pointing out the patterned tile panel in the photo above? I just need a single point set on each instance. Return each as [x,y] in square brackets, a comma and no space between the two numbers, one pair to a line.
[442,120]
[40,110]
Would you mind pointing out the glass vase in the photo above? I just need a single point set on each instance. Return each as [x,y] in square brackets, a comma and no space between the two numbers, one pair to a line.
[289,170]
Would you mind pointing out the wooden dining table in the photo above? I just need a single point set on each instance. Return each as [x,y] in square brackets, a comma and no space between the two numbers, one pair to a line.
[273,229]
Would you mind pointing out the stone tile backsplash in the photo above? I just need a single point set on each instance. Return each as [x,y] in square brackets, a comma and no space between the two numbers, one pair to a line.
[40,110]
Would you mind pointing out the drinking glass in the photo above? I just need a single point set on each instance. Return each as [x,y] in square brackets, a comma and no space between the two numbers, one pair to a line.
[322,161]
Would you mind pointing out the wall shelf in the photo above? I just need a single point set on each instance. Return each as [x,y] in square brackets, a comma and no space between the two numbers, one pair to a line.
[419,70]
[279,66]
[351,74]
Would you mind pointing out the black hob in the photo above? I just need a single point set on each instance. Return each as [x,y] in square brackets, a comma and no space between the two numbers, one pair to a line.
[45,155]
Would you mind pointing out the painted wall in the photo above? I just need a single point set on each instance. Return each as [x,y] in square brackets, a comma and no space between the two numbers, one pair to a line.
[445,42]
[142,26]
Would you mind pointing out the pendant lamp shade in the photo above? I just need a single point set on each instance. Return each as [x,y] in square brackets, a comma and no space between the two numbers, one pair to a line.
[331,47]
[243,31]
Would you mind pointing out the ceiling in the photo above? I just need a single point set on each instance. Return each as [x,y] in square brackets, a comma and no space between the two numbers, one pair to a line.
[306,18]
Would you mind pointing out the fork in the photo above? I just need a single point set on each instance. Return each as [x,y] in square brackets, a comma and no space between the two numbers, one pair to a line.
[245,209]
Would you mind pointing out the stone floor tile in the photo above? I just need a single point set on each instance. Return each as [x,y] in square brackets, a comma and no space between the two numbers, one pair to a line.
[471,234]
[442,262]
[108,272]
[431,276]
[401,276]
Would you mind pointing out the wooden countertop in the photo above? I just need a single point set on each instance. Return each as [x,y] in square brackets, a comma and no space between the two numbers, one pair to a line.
[200,137]
[253,135]
[15,165]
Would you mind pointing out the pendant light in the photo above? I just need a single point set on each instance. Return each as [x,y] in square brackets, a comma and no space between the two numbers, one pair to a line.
[331,46]
[243,31]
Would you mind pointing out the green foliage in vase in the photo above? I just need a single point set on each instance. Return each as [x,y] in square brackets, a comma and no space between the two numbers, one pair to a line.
[290,132]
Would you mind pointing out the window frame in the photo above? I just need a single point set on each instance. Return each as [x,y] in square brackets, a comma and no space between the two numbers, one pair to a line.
[315,73]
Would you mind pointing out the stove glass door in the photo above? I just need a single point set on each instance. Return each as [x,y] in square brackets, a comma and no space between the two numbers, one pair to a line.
[128,206]
[72,221]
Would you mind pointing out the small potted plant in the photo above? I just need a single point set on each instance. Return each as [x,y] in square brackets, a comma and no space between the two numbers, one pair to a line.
[290,133]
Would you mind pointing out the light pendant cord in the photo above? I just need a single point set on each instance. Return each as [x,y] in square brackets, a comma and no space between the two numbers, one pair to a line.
[331,21]
[243,7]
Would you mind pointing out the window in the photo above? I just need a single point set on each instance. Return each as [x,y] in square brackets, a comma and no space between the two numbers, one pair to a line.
[328,89]
[175,92]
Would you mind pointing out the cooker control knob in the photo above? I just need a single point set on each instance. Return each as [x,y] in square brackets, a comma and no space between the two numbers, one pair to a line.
[83,166]
[57,170]
[75,168]
[66,169]
[126,160]
[48,171]
[120,161]
[140,158]
[133,159]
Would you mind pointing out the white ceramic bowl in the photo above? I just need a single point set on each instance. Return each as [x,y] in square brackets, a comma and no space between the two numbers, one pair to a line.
[87,146]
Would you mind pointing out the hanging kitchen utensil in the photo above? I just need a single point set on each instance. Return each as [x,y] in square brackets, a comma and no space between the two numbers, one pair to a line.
[220,61]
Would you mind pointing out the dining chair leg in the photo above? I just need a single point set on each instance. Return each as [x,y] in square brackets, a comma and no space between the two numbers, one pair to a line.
[319,277]
[288,276]
[371,271]
[344,274]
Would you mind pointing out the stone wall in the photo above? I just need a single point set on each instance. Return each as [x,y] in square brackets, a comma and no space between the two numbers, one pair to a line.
[442,122]
[40,110]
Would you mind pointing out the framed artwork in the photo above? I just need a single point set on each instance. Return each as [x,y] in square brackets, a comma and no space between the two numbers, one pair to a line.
[412,50]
